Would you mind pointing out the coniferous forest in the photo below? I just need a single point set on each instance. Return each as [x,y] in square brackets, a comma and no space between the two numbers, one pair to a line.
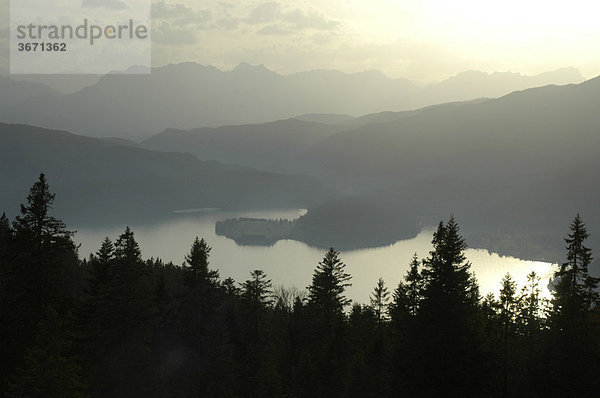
[118,325]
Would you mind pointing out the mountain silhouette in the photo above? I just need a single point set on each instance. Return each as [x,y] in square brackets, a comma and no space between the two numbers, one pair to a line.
[188,96]
[99,181]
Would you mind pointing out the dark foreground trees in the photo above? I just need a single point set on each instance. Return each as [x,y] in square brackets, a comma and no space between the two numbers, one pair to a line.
[574,318]
[120,326]
[40,282]
[448,321]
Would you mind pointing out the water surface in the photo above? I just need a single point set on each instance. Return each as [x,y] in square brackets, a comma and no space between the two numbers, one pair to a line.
[292,263]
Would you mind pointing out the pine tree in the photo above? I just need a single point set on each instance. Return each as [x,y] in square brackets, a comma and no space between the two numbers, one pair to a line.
[575,294]
[100,266]
[197,272]
[364,353]
[46,251]
[326,303]
[576,291]
[379,301]
[449,318]
[529,312]
[127,249]
[130,288]
[405,305]
[98,300]
[407,297]
[106,253]
[40,278]
[257,290]
[230,288]
[508,302]
[201,288]
[42,238]
[122,327]
[375,352]
[258,371]
[447,280]
[530,335]
[414,286]
[329,281]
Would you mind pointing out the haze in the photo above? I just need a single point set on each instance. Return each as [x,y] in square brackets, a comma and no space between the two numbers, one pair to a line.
[419,40]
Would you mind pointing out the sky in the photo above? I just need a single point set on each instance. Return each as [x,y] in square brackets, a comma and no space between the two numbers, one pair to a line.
[423,40]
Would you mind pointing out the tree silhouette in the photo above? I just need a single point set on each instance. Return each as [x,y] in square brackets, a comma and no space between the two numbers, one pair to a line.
[329,281]
[574,296]
[197,272]
[379,301]
[508,304]
[118,325]
[449,318]
[326,302]
[40,288]
[257,289]
[122,328]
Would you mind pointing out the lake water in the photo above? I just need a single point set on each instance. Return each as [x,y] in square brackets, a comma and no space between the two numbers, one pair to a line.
[291,263]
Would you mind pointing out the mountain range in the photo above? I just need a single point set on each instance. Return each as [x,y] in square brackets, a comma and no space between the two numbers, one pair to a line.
[514,169]
[267,146]
[518,166]
[189,95]
[511,169]
[98,181]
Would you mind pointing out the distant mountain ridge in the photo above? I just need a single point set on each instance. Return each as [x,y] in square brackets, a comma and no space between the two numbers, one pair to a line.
[518,166]
[514,170]
[98,181]
[189,95]
[268,146]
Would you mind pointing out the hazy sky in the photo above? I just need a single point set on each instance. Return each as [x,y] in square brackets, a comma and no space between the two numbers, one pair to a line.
[418,39]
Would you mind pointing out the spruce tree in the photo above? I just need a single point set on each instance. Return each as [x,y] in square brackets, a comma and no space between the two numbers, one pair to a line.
[36,223]
[106,253]
[508,303]
[414,286]
[127,249]
[530,333]
[449,339]
[123,323]
[326,303]
[364,353]
[100,266]
[574,296]
[201,286]
[45,251]
[229,286]
[529,310]
[196,265]
[257,290]
[379,301]
[329,282]
[407,297]
[258,371]
[41,278]
[576,291]
[405,305]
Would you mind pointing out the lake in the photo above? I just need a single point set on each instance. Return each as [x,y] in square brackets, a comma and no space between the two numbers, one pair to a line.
[291,263]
